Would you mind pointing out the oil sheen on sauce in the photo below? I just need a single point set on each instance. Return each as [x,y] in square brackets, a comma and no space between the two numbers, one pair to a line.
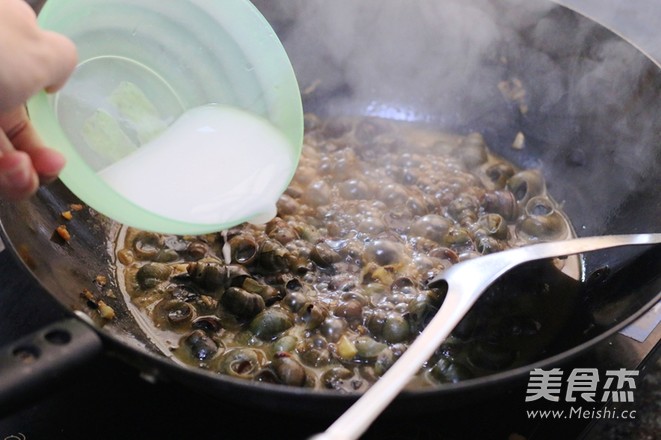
[214,165]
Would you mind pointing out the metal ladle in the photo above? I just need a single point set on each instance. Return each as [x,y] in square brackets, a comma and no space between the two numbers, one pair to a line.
[465,281]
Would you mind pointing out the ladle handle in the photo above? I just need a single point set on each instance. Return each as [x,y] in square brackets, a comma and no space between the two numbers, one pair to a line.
[360,416]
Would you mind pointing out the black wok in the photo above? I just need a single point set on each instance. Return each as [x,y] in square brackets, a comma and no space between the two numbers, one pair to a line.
[590,121]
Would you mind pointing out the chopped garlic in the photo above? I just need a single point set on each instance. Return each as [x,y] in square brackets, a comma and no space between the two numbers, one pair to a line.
[519,141]
[63,232]
[105,311]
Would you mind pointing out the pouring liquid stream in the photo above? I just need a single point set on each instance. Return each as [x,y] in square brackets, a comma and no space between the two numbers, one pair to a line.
[215,164]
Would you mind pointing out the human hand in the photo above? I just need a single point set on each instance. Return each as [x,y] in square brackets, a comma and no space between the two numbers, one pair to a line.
[32,60]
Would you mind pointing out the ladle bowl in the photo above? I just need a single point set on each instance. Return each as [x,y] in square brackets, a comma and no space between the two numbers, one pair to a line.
[464,283]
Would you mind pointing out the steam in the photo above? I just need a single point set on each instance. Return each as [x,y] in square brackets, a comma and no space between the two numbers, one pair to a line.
[420,58]
[442,61]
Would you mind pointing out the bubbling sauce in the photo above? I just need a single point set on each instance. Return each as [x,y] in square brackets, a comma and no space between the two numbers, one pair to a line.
[214,165]
[333,290]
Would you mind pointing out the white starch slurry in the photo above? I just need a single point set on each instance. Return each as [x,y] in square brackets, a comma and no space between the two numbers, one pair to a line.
[213,165]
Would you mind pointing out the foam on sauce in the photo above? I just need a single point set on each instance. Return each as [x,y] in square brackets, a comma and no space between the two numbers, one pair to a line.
[214,165]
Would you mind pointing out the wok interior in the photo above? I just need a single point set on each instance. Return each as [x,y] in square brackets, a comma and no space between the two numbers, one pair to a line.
[588,117]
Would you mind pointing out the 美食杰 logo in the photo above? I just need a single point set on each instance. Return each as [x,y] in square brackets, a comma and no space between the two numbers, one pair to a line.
[582,386]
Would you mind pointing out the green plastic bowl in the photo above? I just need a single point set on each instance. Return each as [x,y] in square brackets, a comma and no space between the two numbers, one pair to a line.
[143,64]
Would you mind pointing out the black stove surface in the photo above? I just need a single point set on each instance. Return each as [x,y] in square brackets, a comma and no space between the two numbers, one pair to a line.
[110,400]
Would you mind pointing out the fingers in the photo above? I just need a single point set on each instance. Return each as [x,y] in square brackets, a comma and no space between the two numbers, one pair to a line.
[19,134]
[47,164]
[64,59]
[33,59]
[18,180]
